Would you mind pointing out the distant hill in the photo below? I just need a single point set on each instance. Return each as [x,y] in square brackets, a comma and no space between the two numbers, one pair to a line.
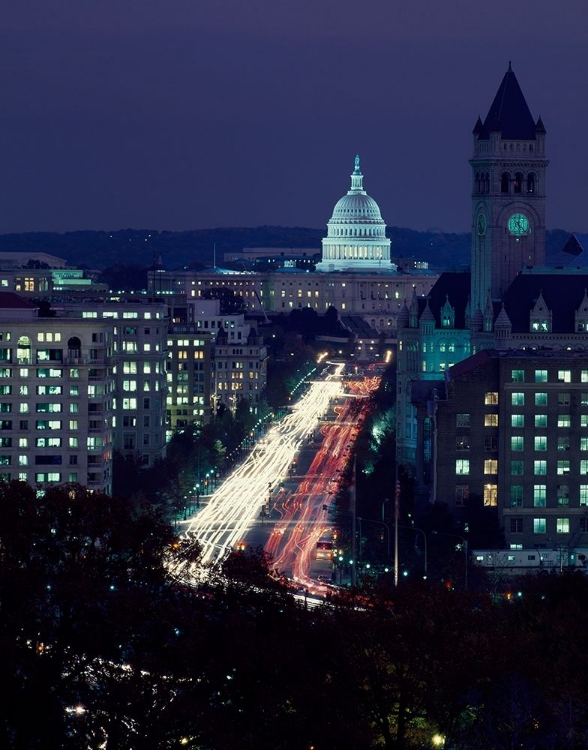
[142,247]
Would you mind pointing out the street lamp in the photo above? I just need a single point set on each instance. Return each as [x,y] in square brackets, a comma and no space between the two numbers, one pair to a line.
[465,551]
[414,528]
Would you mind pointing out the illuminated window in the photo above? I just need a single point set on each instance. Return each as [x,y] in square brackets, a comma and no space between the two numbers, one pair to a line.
[462,466]
[490,466]
[584,494]
[540,420]
[564,420]
[539,526]
[562,526]
[541,376]
[539,495]
[541,399]
[490,495]
[517,399]
[540,467]
[540,442]
[517,443]
[490,420]
[564,376]
[491,397]
[517,420]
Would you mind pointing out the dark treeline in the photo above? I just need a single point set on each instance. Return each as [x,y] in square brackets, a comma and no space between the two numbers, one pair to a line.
[103,644]
[141,247]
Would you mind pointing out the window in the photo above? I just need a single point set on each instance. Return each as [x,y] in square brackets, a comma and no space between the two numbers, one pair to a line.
[562,526]
[462,442]
[541,399]
[48,407]
[129,403]
[517,443]
[490,495]
[517,420]
[462,493]
[584,398]
[52,476]
[584,443]
[516,525]
[490,466]
[48,424]
[563,467]
[539,495]
[583,466]
[583,420]
[518,376]
[516,495]
[517,468]
[491,398]
[540,467]
[490,420]
[564,420]
[563,443]
[462,420]
[564,376]
[584,494]
[584,376]
[563,494]
[563,399]
[540,442]
[517,399]
[541,376]
[490,443]
[539,526]
[540,420]
[462,466]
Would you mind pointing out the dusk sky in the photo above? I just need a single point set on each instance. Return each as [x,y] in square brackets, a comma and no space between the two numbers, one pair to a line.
[186,114]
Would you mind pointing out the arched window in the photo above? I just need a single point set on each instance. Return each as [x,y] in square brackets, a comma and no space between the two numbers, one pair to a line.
[518,182]
[23,350]
[477,186]
[505,182]
[531,182]
[487,182]
[74,348]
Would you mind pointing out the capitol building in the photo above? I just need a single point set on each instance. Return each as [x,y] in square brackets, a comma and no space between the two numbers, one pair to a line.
[356,238]
[355,274]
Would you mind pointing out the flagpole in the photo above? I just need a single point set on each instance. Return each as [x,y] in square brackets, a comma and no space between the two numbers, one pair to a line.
[354,525]
[396,514]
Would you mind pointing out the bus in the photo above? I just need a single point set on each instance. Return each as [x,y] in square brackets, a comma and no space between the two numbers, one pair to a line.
[324,549]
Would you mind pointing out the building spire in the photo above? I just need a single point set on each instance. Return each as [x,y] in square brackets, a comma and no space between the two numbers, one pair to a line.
[356,178]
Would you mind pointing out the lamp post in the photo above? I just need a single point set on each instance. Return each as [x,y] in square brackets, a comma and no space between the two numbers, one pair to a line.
[465,550]
[414,528]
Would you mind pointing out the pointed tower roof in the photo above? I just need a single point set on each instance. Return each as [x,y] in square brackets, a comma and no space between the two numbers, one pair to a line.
[427,315]
[509,112]
[502,321]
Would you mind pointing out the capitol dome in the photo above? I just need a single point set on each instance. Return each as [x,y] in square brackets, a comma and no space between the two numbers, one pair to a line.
[356,238]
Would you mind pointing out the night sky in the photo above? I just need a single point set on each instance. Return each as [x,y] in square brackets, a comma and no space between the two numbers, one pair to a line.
[188,114]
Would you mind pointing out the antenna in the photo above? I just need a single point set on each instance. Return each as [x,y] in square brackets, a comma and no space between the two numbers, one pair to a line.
[214,256]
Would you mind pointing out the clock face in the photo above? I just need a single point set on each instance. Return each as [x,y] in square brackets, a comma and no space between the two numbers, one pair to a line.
[518,224]
[481,225]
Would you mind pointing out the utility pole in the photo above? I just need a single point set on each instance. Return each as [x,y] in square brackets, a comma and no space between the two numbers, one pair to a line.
[354,524]
[396,515]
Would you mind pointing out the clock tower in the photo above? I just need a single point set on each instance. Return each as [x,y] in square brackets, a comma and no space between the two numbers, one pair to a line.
[508,194]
